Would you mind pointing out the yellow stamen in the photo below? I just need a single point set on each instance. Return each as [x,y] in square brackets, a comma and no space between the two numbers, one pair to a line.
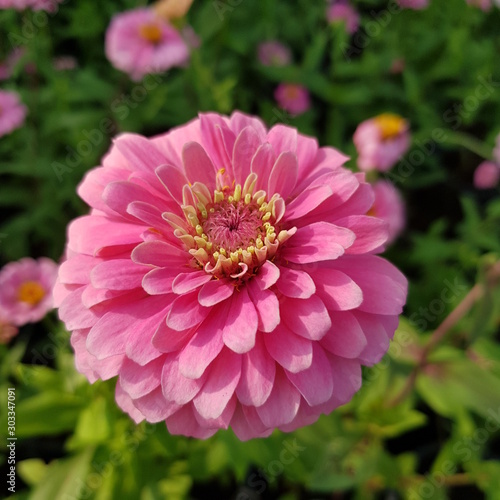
[390,125]
[31,292]
[151,32]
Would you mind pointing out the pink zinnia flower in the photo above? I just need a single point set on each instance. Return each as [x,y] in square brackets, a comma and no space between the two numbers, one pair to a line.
[12,112]
[381,141]
[341,11]
[274,53]
[48,5]
[414,4]
[486,175]
[292,98]
[227,274]
[484,5]
[390,207]
[26,290]
[139,42]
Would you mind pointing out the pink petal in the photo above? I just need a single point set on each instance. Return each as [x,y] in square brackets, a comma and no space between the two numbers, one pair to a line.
[282,404]
[215,291]
[186,312]
[370,232]
[283,138]
[124,401]
[307,201]
[74,314]
[257,375]
[167,340]
[176,387]
[140,152]
[148,214]
[267,307]
[346,337]
[204,346]
[117,274]
[239,121]
[306,317]
[184,422]
[159,281]
[317,242]
[222,380]
[283,175]
[77,269]
[337,290]
[159,253]
[316,382]
[222,421]
[262,163]
[198,165]
[376,336]
[217,139]
[295,283]
[292,352]
[241,323]
[139,380]
[245,147]
[267,275]
[187,282]
[154,406]
[173,179]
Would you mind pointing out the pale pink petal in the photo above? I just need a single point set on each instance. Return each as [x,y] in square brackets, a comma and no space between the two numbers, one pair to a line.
[306,317]
[295,283]
[245,147]
[197,164]
[346,337]
[176,387]
[186,312]
[187,282]
[215,291]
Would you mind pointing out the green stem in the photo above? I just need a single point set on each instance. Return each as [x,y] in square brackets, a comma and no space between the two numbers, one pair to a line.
[468,142]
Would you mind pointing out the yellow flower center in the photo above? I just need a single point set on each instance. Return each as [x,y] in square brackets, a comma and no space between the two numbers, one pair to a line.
[292,92]
[390,125]
[151,32]
[31,292]
[231,232]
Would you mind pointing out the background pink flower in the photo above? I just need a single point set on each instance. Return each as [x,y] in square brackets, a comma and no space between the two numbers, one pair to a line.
[381,141]
[9,63]
[486,175]
[227,275]
[344,12]
[293,98]
[48,5]
[414,4]
[26,290]
[390,207]
[274,53]
[484,5]
[12,112]
[139,42]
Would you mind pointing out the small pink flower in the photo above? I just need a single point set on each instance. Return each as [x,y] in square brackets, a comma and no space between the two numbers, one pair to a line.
[26,290]
[414,4]
[139,42]
[381,141]
[274,53]
[47,5]
[484,5]
[293,98]
[12,112]
[9,63]
[227,275]
[486,175]
[390,207]
[341,11]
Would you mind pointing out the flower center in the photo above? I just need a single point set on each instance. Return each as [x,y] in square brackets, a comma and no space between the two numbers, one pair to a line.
[31,292]
[292,92]
[151,32]
[232,232]
[390,125]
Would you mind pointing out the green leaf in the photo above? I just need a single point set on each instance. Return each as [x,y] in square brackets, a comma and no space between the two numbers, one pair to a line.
[32,471]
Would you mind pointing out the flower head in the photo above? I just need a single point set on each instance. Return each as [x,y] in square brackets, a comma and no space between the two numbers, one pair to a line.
[139,42]
[47,5]
[390,207]
[293,98]
[26,290]
[12,112]
[414,4]
[381,141]
[487,175]
[341,11]
[274,53]
[227,274]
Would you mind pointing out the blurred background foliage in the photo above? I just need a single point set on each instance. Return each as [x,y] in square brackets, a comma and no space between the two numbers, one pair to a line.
[426,422]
